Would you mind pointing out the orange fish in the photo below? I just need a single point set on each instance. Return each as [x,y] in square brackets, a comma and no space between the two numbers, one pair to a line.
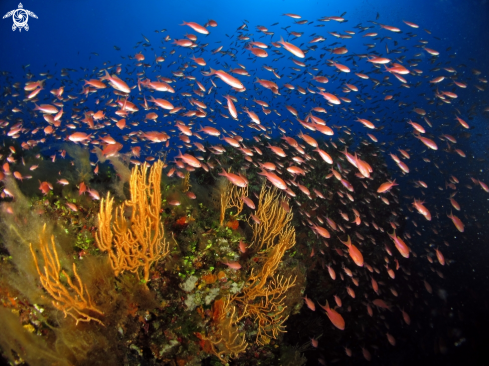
[457,222]
[355,254]
[196,27]
[428,142]
[406,317]
[310,304]
[440,257]
[233,265]
[228,79]
[117,83]
[235,179]
[332,273]
[334,317]
[274,179]
[296,51]
[242,246]
[321,231]
[248,202]
[400,245]
[422,209]
[385,187]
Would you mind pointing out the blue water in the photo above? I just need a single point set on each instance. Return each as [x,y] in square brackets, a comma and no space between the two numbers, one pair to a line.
[82,36]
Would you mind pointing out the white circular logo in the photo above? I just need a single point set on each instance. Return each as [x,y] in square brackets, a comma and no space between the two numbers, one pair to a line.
[20,17]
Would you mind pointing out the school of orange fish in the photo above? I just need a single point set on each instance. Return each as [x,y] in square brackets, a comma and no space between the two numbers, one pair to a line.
[324,88]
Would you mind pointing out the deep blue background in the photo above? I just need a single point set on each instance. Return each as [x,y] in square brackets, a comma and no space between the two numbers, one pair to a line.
[67,31]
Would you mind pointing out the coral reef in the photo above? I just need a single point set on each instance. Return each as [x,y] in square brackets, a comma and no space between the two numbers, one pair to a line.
[114,283]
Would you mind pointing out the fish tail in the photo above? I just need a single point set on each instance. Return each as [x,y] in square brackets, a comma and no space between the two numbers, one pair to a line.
[224,173]
[106,77]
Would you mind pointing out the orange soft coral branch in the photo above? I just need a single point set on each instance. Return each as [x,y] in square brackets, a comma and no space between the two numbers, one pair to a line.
[140,242]
[232,196]
[76,305]
[273,219]
[224,339]
[264,293]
